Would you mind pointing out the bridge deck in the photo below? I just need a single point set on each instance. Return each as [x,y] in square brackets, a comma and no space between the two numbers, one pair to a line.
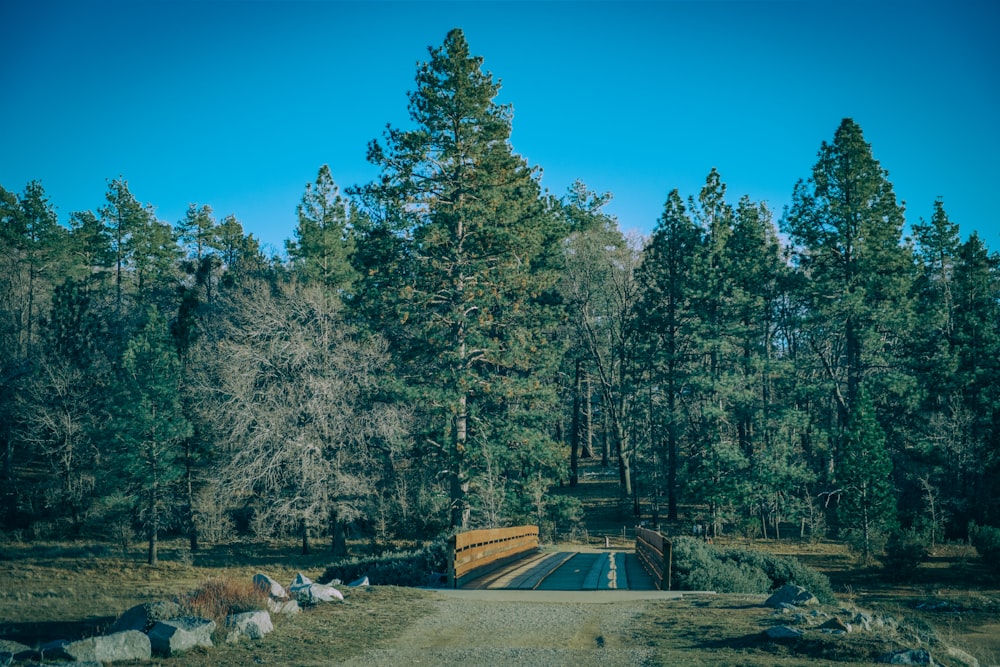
[569,571]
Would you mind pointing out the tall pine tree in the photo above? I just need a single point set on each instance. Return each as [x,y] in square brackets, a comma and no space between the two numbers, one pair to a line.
[470,248]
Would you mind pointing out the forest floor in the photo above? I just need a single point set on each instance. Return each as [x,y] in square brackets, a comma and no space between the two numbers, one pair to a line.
[53,591]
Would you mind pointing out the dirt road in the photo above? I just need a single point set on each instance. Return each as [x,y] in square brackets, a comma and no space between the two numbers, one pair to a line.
[525,628]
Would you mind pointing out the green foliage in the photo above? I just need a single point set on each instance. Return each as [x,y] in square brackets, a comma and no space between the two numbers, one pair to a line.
[986,540]
[867,507]
[149,425]
[701,566]
[324,239]
[466,247]
[904,552]
[401,568]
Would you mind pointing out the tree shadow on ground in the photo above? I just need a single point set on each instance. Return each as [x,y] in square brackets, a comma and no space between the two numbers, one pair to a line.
[39,632]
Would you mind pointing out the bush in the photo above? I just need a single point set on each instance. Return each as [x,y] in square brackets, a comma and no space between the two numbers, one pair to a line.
[218,598]
[402,568]
[904,552]
[701,566]
[986,540]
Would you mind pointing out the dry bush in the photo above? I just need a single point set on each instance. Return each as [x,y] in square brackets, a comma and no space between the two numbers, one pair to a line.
[218,598]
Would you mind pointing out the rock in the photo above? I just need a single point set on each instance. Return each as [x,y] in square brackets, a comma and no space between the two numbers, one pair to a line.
[117,647]
[301,588]
[178,635]
[906,657]
[287,607]
[793,595]
[269,586]
[306,592]
[835,625]
[321,593]
[783,632]
[142,616]
[47,651]
[9,646]
[9,650]
[363,581]
[251,624]
[960,658]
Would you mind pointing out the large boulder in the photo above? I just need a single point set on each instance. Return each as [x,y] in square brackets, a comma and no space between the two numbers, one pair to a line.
[269,586]
[790,595]
[142,617]
[125,646]
[178,635]
[251,624]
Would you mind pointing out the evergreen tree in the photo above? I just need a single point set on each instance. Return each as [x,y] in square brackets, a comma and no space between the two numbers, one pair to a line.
[91,255]
[461,259]
[977,378]
[668,321]
[149,425]
[846,227]
[123,216]
[867,504]
[324,241]
[198,234]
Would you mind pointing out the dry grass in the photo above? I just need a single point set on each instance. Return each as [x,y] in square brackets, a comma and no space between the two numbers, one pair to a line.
[219,597]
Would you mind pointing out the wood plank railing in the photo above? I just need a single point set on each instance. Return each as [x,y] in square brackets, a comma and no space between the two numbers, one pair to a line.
[477,552]
[655,552]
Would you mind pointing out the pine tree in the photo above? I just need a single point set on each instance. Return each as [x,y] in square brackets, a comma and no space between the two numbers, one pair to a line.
[324,240]
[846,227]
[867,505]
[667,322]
[977,378]
[458,260]
[150,425]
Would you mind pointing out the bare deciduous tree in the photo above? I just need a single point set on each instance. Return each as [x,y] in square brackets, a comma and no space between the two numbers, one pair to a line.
[294,399]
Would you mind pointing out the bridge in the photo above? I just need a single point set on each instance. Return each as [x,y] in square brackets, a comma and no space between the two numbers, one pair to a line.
[510,559]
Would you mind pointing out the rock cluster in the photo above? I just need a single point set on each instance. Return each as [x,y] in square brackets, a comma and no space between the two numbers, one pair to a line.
[160,628]
[788,603]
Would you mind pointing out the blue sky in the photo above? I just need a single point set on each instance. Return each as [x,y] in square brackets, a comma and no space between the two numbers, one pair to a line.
[236,104]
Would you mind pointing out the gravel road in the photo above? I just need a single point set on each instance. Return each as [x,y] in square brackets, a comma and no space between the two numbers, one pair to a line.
[521,628]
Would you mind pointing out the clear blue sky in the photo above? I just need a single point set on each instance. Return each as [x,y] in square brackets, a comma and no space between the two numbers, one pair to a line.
[237,104]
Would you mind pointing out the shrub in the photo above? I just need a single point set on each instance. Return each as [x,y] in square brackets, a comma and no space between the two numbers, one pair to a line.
[904,552]
[986,540]
[701,566]
[401,568]
[218,598]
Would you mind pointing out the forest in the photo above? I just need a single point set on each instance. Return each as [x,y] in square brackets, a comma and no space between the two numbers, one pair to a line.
[438,349]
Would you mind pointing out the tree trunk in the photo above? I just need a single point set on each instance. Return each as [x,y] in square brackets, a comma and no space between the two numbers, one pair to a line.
[152,556]
[605,443]
[192,527]
[588,428]
[460,510]
[574,446]
[304,528]
[338,539]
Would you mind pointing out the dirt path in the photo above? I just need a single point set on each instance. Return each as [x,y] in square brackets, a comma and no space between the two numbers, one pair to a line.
[525,628]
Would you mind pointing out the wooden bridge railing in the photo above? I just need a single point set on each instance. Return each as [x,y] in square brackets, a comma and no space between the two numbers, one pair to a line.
[476,552]
[655,552]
